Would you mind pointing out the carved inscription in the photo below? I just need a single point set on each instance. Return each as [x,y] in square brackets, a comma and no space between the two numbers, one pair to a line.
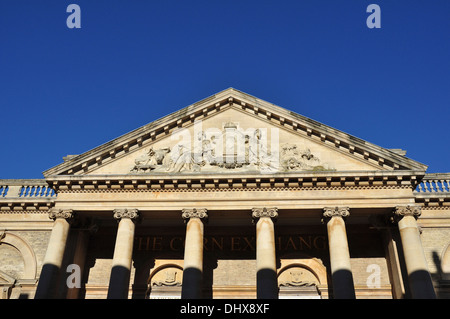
[231,243]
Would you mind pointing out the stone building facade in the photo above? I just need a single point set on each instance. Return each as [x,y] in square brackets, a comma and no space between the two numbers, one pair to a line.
[230,197]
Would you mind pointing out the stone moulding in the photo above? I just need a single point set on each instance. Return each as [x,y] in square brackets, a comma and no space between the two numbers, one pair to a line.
[394,179]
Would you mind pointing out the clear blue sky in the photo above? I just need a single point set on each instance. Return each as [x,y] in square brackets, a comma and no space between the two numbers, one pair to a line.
[65,91]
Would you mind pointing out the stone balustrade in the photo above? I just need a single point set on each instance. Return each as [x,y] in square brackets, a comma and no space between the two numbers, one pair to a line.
[25,188]
[434,183]
[433,190]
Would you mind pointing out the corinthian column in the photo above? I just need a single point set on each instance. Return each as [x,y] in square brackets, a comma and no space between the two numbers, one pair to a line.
[121,266]
[193,253]
[266,267]
[416,264]
[48,280]
[342,277]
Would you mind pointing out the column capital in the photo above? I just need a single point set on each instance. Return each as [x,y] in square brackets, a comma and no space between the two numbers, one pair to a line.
[258,212]
[132,214]
[188,213]
[55,213]
[407,210]
[329,212]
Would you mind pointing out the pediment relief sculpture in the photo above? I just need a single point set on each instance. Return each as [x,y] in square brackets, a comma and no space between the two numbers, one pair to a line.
[231,149]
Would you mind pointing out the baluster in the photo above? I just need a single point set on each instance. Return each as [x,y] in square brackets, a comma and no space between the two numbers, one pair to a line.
[433,185]
[425,186]
[448,185]
[436,185]
[419,188]
[441,185]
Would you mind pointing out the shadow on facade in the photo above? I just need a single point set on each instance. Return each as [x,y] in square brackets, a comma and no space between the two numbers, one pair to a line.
[192,284]
[441,278]
[343,286]
[48,282]
[266,284]
[119,283]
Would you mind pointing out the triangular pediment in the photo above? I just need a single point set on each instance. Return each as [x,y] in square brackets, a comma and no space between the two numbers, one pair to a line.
[233,132]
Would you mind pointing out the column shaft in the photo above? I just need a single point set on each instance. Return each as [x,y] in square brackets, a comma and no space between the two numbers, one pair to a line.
[416,264]
[49,278]
[79,259]
[266,267]
[121,266]
[193,254]
[342,277]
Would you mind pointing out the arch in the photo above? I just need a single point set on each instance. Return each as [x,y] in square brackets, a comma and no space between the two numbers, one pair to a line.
[445,263]
[312,264]
[165,280]
[29,258]
[162,267]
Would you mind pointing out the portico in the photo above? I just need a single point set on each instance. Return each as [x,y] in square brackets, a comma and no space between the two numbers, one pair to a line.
[234,197]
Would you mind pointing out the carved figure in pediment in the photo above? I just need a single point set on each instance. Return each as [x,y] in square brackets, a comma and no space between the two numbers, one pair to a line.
[181,159]
[229,149]
[259,154]
[151,160]
[292,158]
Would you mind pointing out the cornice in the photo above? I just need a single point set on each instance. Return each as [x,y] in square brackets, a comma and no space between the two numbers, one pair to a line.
[181,182]
[27,204]
[298,124]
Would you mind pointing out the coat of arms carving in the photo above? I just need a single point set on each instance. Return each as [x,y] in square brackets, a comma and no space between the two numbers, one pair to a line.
[233,149]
